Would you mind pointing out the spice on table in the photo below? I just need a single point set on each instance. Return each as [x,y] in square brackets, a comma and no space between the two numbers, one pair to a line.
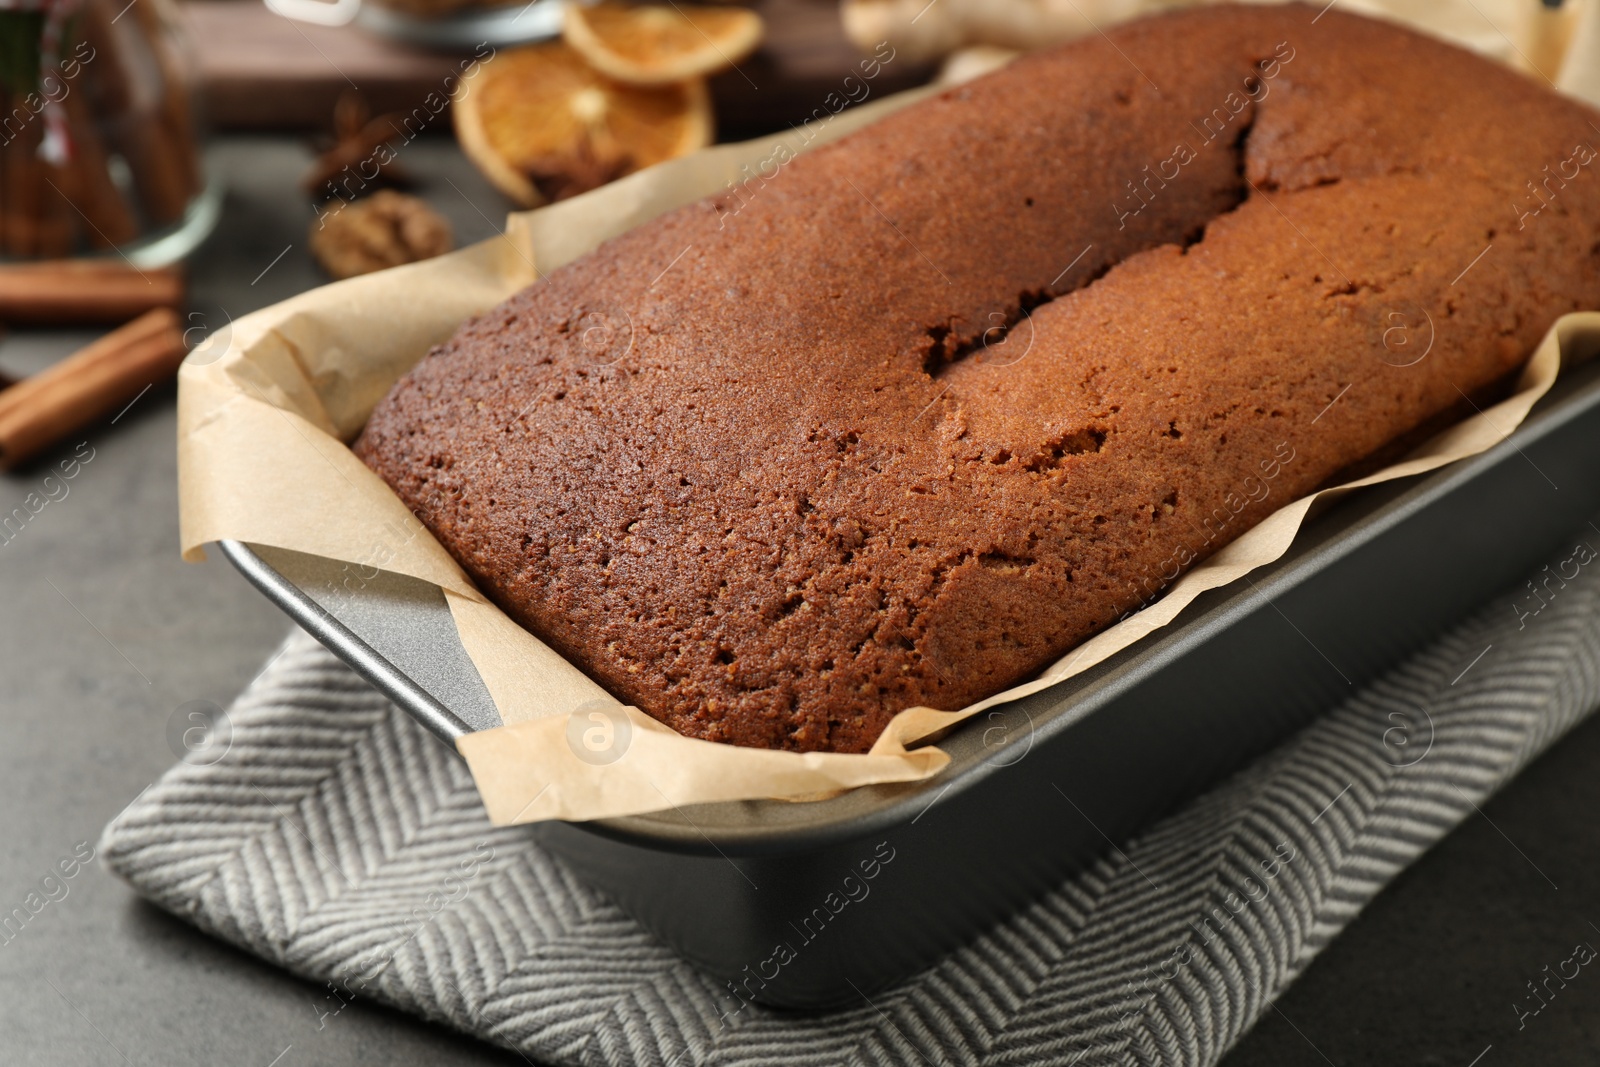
[385,229]
[88,385]
[70,292]
[360,155]
[587,166]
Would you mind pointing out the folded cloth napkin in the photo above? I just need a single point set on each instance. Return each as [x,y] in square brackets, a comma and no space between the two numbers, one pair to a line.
[338,839]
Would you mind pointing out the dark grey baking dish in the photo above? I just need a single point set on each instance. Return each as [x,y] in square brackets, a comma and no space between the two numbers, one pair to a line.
[1038,787]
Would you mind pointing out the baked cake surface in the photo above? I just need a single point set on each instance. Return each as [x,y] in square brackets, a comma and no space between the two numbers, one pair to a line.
[907,421]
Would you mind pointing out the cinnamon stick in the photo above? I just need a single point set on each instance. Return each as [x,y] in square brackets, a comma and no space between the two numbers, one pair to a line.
[68,292]
[58,222]
[88,385]
[141,101]
[7,135]
[177,106]
[166,166]
[19,215]
[110,221]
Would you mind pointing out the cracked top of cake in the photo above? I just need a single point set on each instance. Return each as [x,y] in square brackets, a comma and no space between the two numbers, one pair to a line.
[901,420]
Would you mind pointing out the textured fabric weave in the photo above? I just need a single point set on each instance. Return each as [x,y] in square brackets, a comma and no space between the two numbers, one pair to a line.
[338,839]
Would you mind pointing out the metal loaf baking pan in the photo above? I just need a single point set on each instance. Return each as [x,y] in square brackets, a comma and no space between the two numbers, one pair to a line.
[1036,788]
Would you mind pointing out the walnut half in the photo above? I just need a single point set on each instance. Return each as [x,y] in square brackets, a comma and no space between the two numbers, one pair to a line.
[385,229]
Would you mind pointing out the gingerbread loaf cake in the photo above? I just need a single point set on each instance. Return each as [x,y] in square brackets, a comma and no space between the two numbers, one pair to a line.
[903,421]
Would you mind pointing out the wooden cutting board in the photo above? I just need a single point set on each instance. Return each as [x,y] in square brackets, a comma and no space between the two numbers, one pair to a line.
[260,71]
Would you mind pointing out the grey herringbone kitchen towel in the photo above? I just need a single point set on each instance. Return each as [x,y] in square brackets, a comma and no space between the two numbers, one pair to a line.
[337,839]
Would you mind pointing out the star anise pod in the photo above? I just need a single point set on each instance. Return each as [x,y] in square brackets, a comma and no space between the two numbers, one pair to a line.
[360,158]
[589,165]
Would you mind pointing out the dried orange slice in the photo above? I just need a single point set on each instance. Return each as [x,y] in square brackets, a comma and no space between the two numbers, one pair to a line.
[660,44]
[541,124]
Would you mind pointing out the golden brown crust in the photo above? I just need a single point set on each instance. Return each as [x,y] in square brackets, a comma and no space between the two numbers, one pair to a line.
[754,468]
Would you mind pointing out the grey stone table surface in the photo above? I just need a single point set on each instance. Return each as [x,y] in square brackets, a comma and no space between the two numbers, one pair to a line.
[105,634]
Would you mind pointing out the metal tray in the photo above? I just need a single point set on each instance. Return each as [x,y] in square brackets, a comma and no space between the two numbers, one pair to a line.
[1036,788]
[467,30]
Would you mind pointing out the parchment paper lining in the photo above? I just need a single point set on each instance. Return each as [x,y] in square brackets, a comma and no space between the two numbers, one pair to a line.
[265,408]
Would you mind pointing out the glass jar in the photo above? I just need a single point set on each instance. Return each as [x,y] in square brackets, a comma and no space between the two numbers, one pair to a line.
[100,150]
